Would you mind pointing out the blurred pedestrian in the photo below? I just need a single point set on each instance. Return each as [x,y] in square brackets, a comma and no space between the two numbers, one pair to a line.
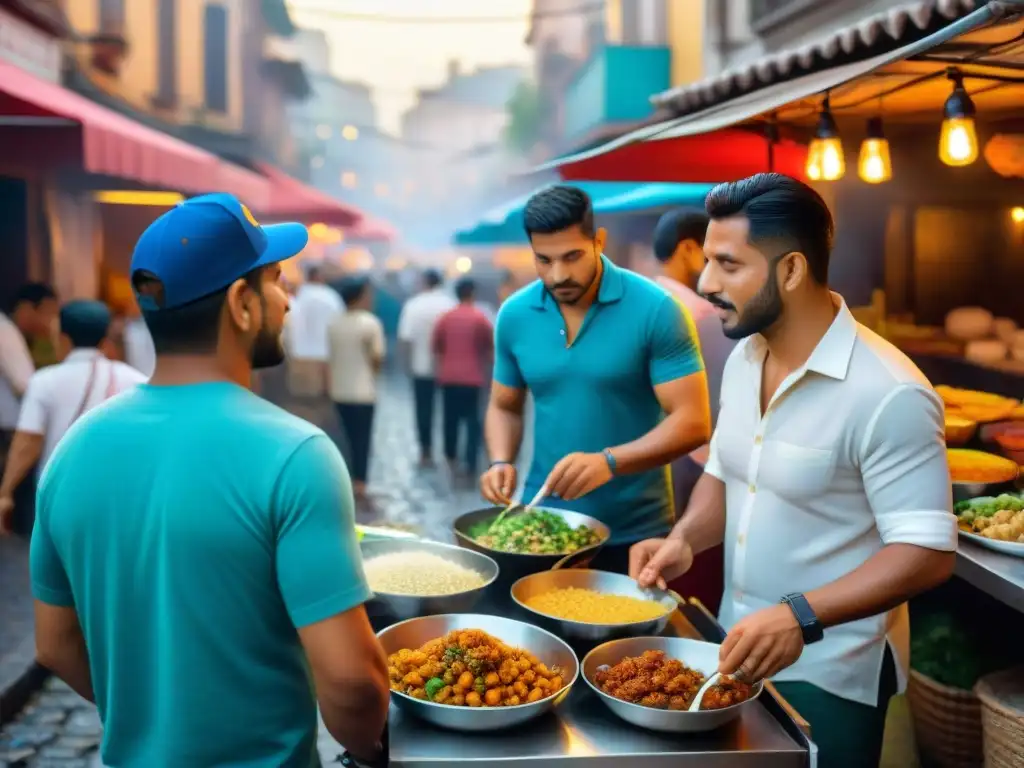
[356,348]
[315,305]
[679,247]
[194,561]
[464,346]
[415,336]
[32,314]
[58,395]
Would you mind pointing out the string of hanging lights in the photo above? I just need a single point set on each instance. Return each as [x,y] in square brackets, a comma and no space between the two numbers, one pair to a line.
[958,140]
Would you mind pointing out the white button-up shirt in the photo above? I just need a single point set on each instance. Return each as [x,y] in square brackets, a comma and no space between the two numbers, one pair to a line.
[848,457]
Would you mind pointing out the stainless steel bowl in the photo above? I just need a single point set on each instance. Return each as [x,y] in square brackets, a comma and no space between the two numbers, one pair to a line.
[696,654]
[599,581]
[515,565]
[410,606]
[545,646]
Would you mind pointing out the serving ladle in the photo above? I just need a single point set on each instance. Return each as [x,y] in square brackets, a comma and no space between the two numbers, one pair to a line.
[533,503]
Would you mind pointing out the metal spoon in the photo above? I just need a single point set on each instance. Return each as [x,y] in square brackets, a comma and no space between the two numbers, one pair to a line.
[711,681]
[533,503]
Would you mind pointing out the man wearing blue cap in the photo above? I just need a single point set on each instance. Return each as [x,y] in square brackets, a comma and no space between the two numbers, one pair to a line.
[194,557]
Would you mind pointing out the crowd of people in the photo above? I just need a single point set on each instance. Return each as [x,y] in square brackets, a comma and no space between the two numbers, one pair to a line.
[191,582]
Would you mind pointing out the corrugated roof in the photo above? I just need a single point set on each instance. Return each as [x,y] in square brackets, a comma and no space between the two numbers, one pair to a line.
[870,37]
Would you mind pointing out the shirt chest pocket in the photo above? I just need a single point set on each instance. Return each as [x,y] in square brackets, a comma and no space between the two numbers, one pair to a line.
[795,472]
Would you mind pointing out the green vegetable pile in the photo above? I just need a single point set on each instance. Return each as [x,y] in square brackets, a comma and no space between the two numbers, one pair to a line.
[536,532]
[986,506]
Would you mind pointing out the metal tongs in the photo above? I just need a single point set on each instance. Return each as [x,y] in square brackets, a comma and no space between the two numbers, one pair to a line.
[517,503]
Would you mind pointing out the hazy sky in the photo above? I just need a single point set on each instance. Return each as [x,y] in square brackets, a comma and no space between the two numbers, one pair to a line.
[395,57]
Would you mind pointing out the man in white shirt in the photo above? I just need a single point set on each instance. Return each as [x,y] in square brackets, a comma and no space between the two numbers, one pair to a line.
[139,352]
[415,335]
[827,477]
[315,305]
[58,395]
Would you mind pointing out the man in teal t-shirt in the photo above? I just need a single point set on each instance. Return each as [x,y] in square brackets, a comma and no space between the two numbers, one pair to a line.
[194,559]
[614,367]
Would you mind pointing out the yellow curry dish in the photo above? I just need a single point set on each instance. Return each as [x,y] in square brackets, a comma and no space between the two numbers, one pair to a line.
[590,607]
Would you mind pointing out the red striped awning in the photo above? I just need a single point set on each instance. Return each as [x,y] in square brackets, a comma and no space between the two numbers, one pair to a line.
[104,142]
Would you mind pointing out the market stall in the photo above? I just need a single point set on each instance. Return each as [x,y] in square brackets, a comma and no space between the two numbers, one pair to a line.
[915,136]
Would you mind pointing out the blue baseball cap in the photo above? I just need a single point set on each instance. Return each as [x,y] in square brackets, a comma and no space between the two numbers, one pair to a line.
[204,244]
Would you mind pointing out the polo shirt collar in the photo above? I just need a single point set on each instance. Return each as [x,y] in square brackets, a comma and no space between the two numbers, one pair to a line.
[831,357]
[610,290]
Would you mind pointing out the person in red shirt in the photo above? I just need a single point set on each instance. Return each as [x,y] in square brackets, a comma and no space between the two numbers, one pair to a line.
[463,344]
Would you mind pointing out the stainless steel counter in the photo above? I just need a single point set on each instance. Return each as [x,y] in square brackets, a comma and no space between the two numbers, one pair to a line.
[999,575]
[582,731]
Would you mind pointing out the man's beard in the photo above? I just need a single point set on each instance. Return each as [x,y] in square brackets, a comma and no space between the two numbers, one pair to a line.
[761,312]
[267,349]
[579,290]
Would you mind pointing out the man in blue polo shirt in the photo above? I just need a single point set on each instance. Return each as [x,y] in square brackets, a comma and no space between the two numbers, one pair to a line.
[614,366]
[194,559]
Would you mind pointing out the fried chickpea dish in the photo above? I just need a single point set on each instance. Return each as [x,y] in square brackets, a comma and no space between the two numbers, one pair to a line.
[469,668]
[651,680]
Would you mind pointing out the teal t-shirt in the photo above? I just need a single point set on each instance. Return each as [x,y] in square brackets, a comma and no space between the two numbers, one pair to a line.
[599,391]
[194,528]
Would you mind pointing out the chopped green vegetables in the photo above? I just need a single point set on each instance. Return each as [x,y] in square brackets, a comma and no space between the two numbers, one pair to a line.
[433,685]
[536,532]
[986,506]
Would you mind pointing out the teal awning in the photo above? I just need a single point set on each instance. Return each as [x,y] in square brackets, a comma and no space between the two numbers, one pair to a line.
[504,223]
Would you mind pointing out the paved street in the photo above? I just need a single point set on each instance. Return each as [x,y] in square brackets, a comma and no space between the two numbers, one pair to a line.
[60,730]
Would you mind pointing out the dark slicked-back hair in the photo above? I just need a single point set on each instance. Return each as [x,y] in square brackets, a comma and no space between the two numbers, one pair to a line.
[676,227]
[86,323]
[558,208]
[353,288]
[785,215]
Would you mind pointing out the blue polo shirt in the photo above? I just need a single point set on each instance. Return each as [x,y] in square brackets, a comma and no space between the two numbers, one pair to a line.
[193,529]
[598,392]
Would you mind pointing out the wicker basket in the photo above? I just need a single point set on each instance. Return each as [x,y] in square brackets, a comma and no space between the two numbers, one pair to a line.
[1002,717]
[947,722]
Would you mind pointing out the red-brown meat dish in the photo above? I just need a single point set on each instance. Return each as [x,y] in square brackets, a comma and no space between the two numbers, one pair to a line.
[651,680]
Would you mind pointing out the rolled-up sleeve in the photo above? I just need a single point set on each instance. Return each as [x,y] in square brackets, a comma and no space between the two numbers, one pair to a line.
[905,470]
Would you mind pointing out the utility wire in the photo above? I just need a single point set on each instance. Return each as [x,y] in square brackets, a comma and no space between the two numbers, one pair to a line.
[382,18]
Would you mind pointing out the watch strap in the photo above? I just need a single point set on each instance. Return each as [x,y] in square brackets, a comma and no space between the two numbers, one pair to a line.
[810,626]
[613,465]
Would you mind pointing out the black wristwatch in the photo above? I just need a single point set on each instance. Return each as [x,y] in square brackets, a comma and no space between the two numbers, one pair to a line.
[810,627]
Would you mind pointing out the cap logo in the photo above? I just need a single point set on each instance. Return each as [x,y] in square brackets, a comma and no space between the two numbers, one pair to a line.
[249,217]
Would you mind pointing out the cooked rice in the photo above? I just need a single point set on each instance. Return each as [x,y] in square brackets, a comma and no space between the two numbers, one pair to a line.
[590,607]
[419,573]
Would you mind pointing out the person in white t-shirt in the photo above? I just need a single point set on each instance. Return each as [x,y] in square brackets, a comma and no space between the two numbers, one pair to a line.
[356,349]
[313,309]
[33,314]
[415,334]
[58,395]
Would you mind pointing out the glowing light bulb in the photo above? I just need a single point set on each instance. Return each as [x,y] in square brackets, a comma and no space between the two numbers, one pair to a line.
[874,165]
[833,162]
[958,142]
[1017,214]
[813,168]
[463,264]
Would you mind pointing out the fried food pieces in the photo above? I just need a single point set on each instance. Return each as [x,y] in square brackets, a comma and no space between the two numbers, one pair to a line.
[470,668]
[651,680]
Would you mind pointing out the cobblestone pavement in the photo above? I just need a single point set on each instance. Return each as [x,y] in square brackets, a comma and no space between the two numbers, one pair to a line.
[58,729]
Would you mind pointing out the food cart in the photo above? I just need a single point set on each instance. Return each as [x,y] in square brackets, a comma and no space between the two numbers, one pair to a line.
[582,731]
